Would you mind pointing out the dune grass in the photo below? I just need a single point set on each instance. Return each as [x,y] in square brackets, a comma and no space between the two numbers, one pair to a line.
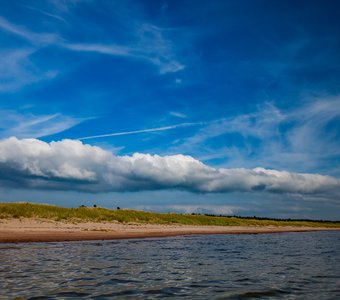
[86,214]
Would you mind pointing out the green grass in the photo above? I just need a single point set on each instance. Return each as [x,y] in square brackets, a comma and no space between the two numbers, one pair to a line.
[83,214]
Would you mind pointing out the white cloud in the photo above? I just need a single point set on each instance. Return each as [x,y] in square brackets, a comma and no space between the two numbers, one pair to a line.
[72,165]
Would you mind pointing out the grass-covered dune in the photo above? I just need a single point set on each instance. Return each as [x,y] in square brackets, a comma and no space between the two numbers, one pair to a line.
[96,214]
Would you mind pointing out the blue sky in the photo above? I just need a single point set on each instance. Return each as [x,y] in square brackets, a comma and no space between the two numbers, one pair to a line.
[232,85]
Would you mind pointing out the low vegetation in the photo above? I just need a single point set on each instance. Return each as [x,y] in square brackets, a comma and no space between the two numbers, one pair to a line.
[97,214]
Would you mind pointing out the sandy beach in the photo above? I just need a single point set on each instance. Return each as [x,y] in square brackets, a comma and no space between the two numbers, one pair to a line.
[41,230]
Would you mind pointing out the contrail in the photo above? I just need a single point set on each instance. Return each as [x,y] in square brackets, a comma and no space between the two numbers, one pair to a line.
[143,130]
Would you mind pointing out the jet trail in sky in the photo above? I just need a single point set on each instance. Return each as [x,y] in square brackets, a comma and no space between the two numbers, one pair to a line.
[144,130]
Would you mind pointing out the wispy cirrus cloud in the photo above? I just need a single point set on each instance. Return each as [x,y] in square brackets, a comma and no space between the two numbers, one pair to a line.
[33,37]
[147,43]
[46,13]
[17,69]
[303,138]
[33,126]
[16,66]
[65,5]
[177,114]
[99,48]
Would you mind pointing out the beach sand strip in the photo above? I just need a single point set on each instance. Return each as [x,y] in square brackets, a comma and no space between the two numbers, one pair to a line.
[42,230]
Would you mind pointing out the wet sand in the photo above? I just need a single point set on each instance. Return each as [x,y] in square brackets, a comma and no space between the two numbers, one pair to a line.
[41,230]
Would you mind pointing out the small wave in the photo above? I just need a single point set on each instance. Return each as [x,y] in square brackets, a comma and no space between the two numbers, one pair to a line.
[72,294]
[68,294]
[115,294]
[167,291]
[254,294]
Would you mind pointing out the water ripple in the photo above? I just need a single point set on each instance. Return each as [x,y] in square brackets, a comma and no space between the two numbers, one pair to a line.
[285,266]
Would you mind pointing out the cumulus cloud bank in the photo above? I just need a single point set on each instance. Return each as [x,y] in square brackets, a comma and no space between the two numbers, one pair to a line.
[72,165]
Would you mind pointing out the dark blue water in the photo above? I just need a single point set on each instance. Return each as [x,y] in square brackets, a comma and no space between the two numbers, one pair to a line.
[264,266]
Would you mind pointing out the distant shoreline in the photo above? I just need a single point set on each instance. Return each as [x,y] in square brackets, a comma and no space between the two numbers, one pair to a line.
[28,222]
[42,230]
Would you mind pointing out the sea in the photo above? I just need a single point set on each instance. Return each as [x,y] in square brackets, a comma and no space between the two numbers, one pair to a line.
[234,266]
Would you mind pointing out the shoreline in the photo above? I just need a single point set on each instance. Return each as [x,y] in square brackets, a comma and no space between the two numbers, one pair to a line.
[44,230]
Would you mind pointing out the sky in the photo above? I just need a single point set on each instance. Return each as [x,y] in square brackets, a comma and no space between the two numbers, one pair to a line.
[223,107]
